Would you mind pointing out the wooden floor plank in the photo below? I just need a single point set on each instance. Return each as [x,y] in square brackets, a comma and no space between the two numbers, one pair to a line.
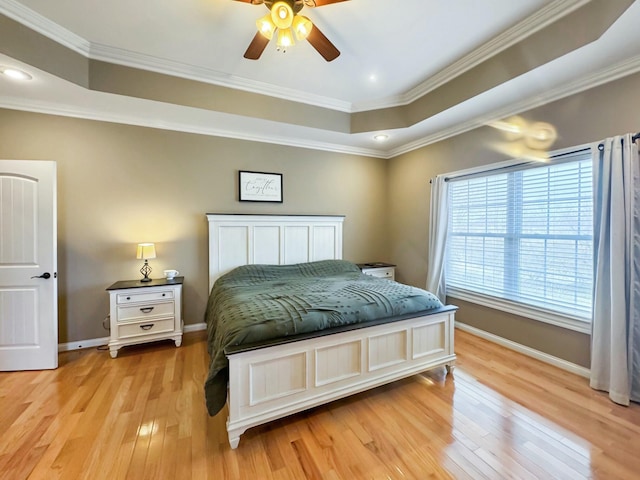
[142,416]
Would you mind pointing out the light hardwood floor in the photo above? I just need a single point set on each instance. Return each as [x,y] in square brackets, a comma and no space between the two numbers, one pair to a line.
[142,416]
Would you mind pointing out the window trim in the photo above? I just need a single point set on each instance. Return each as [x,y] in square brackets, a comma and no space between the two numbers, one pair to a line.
[485,170]
[577,324]
[567,321]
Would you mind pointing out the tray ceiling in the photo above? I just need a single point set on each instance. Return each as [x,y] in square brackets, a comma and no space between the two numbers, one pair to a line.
[401,71]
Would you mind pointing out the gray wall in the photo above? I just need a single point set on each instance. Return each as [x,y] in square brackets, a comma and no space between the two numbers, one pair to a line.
[119,185]
[583,118]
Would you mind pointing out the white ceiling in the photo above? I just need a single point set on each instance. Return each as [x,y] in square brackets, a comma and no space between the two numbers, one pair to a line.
[391,54]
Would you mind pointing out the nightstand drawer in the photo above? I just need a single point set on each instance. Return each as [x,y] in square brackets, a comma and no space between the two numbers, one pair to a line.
[164,309]
[380,272]
[146,328]
[379,269]
[124,298]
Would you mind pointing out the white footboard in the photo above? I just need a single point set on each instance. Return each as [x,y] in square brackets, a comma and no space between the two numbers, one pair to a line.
[272,382]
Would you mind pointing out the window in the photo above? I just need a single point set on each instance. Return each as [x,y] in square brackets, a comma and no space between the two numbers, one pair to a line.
[524,236]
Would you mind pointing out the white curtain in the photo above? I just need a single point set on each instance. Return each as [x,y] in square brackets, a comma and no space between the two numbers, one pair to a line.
[615,340]
[438,223]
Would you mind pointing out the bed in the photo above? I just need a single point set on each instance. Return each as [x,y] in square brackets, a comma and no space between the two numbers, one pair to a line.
[298,348]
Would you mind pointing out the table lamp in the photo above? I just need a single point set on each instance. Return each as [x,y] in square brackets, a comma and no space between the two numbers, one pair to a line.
[144,252]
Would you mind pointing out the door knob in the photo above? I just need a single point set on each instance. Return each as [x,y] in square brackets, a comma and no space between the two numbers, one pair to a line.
[45,275]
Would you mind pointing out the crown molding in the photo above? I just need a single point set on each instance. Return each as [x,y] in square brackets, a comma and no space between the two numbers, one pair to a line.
[27,17]
[96,51]
[597,78]
[540,19]
[55,32]
[600,77]
[50,108]
[128,58]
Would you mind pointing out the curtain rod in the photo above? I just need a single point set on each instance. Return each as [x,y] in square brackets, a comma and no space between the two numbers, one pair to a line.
[446,179]
[600,147]
[633,139]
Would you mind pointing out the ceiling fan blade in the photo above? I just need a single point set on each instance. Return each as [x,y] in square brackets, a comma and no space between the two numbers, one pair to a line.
[256,47]
[322,44]
[321,3]
[254,2]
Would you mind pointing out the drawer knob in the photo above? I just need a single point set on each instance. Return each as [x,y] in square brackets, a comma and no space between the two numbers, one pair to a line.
[146,309]
[128,298]
[148,326]
[164,294]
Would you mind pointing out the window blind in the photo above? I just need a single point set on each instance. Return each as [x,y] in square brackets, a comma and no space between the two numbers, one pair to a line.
[525,236]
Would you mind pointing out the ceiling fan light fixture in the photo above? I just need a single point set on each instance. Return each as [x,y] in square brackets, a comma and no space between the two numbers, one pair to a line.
[513,127]
[283,22]
[282,14]
[266,26]
[302,27]
[285,39]
[540,135]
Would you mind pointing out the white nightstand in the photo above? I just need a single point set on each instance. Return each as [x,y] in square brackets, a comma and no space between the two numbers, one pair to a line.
[379,269]
[143,312]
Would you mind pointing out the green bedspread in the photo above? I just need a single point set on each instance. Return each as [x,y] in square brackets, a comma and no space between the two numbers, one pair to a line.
[255,303]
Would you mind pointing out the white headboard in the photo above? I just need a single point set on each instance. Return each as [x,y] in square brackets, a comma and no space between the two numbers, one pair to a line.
[236,239]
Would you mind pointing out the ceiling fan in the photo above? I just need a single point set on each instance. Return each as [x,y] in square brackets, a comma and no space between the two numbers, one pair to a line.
[283,21]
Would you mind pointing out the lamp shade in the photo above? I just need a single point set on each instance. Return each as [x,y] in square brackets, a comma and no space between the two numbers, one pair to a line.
[285,39]
[145,251]
[266,26]
[302,27]
[282,14]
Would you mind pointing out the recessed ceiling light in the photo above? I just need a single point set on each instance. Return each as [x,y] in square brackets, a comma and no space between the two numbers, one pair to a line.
[381,137]
[15,74]
[373,77]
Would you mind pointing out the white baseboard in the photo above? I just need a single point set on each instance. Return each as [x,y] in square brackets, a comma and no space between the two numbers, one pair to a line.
[98,342]
[89,343]
[194,327]
[530,352]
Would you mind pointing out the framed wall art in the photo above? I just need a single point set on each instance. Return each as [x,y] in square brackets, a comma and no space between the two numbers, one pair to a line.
[259,187]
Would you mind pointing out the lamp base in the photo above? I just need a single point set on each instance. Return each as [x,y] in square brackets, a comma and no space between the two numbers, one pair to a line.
[145,270]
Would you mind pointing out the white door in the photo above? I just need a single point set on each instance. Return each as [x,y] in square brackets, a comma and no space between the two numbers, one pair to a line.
[28,265]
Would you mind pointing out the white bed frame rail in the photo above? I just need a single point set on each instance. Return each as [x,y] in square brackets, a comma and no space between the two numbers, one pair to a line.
[274,381]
